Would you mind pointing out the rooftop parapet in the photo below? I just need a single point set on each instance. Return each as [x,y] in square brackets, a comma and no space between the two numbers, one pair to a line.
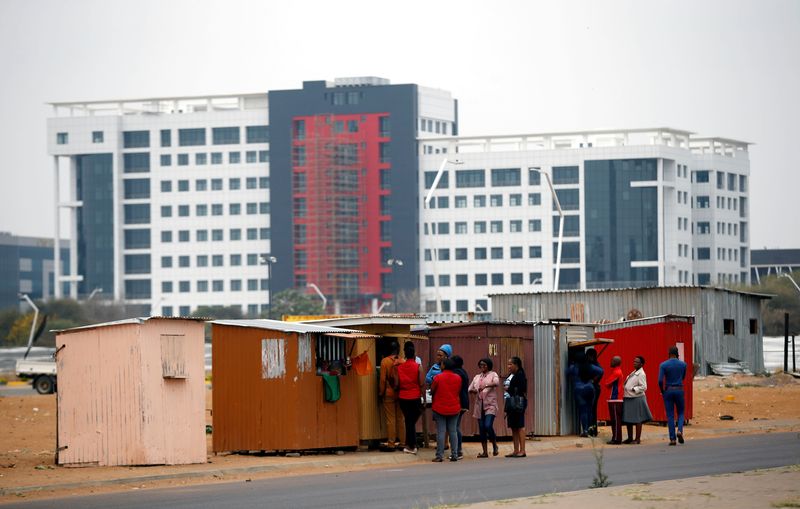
[160,105]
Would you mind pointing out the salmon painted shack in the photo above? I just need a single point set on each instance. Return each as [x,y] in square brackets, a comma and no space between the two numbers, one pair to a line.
[283,386]
[131,392]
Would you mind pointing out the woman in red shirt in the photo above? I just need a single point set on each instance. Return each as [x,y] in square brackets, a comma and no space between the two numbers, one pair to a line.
[409,393]
[446,389]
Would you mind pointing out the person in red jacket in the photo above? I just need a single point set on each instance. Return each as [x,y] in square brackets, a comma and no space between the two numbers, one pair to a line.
[446,389]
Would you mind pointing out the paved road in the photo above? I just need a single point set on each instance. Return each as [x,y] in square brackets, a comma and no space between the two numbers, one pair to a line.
[429,484]
[24,390]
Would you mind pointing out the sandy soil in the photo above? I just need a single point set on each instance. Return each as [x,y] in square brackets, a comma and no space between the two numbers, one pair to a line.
[757,405]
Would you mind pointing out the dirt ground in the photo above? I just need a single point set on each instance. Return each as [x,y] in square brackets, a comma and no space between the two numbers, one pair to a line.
[27,442]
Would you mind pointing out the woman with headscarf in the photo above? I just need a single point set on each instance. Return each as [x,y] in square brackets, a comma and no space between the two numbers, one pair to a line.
[484,386]
[516,385]
[635,411]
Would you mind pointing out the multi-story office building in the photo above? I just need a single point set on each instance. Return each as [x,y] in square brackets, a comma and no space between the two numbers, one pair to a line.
[344,189]
[169,200]
[628,204]
[26,266]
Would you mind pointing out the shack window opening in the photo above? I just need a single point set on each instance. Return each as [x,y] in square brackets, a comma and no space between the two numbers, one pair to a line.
[728,326]
[331,356]
[753,326]
[173,356]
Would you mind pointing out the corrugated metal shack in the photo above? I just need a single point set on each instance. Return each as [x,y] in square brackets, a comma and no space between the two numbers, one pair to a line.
[386,328]
[131,392]
[728,322]
[498,341]
[268,389]
[650,338]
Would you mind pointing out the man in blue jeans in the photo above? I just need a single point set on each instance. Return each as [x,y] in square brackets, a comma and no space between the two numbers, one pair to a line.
[671,374]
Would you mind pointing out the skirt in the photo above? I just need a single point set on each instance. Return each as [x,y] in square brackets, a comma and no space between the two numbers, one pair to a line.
[635,411]
[516,420]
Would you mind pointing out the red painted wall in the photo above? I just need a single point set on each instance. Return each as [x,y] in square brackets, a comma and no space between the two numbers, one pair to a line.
[651,342]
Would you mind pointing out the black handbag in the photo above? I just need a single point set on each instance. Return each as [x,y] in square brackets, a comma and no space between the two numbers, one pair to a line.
[515,404]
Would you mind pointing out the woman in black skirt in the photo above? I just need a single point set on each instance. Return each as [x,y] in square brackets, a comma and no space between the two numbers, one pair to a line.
[516,385]
[635,411]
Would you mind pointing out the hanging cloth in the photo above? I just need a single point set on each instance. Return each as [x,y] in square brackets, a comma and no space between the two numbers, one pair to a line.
[331,388]
[361,364]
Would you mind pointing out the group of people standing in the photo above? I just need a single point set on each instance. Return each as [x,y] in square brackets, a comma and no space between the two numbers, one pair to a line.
[402,387]
[627,401]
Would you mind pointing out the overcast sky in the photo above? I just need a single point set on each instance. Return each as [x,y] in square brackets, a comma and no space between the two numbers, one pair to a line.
[722,68]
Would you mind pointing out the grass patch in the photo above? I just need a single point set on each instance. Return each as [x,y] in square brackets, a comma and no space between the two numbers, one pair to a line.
[794,502]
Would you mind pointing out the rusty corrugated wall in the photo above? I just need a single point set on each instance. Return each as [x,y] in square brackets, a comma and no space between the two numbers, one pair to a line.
[711,307]
[277,403]
[122,399]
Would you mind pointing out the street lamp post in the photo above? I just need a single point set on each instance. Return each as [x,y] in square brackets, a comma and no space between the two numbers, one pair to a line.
[560,228]
[399,263]
[33,323]
[321,295]
[434,253]
[269,260]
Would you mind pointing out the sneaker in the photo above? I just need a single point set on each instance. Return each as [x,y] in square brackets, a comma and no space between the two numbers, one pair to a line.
[437,460]
[460,456]
[410,451]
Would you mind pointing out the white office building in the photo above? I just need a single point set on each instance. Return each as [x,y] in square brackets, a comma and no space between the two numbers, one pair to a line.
[639,207]
[169,200]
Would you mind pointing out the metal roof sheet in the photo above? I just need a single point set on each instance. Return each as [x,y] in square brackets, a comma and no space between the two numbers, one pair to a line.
[356,320]
[279,325]
[129,321]
[667,287]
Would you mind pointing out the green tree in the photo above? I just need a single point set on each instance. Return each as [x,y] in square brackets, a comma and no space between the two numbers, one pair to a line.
[294,302]
[7,318]
[20,330]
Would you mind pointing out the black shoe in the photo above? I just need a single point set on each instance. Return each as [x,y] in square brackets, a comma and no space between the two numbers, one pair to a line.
[680,438]
[672,442]
[453,458]
[627,441]
[437,460]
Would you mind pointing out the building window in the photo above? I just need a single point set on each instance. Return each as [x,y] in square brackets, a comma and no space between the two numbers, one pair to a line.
[201,210]
[515,252]
[166,160]
[479,201]
[166,237]
[225,135]
[462,280]
[568,198]
[183,235]
[497,279]
[480,279]
[470,178]
[166,287]
[703,227]
[200,185]
[137,162]
[200,158]
[234,209]
[166,138]
[183,185]
[534,251]
[461,253]
[515,200]
[534,225]
[235,234]
[565,175]
[97,136]
[183,159]
[257,134]
[460,202]
[479,227]
[192,137]
[535,278]
[728,326]
[504,177]
[263,156]
[183,211]
[137,214]
[480,253]
[62,138]
[534,199]
[534,176]
[166,262]
[515,226]
[216,184]
[516,278]
[700,176]
[497,253]
[137,188]
[202,235]
[753,326]
[136,139]
[496,227]
[461,227]
[496,200]
[135,239]
[234,157]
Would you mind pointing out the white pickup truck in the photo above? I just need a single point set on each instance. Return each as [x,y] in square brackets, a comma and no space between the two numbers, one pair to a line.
[42,371]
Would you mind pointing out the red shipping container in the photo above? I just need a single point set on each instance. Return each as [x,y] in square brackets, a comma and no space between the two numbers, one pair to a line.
[651,339]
